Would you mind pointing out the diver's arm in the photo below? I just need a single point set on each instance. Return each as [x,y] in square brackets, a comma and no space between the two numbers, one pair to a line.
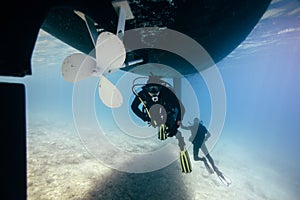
[135,108]
[185,127]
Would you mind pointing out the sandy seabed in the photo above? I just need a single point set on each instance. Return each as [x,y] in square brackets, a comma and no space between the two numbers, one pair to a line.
[59,167]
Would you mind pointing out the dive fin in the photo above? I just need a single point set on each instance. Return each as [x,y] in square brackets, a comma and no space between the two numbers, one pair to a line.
[208,167]
[225,180]
[185,162]
[162,132]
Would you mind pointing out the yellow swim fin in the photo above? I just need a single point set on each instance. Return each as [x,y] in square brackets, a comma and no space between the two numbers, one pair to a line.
[162,132]
[185,162]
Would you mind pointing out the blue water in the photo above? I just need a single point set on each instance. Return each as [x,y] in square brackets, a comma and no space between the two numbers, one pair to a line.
[261,79]
[262,84]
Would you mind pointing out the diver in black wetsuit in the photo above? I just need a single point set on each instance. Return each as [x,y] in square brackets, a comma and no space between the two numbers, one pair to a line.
[160,105]
[199,135]
[161,108]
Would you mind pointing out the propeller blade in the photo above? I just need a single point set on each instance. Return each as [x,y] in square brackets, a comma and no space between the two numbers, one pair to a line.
[110,52]
[77,67]
[109,93]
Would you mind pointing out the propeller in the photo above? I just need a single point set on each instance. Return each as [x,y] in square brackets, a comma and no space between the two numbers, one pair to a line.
[110,56]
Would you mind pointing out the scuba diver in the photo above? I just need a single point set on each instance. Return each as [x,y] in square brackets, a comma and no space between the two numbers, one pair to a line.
[199,135]
[163,110]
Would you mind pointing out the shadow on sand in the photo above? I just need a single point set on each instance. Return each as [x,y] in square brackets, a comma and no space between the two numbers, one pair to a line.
[166,183]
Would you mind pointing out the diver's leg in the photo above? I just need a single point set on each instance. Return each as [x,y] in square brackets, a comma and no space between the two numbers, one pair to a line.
[196,152]
[196,158]
[207,155]
[171,124]
[184,157]
[221,176]
[180,139]
[211,161]
[171,130]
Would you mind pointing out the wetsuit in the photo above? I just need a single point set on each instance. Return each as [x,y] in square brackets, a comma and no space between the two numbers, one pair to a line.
[167,99]
[199,137]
